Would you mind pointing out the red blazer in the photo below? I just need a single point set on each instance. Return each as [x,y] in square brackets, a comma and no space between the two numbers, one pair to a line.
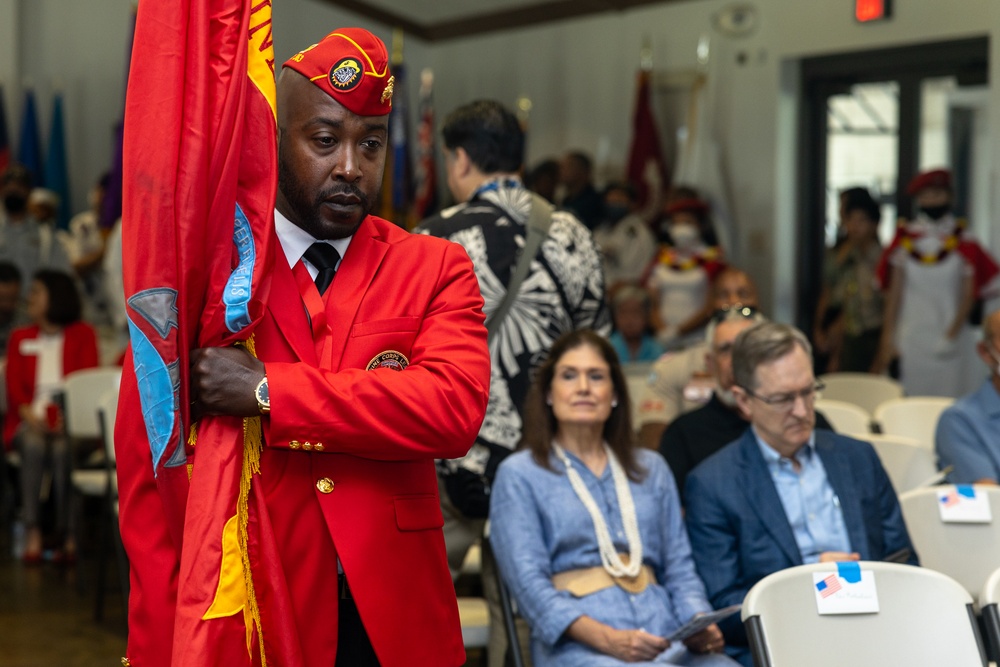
[374,434]
[79,352]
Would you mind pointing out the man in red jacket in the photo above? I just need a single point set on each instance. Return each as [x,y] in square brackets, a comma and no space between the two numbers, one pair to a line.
[371,363]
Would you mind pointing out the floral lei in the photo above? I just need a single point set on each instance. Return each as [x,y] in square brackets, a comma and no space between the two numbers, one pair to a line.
[678,262]
[950,243]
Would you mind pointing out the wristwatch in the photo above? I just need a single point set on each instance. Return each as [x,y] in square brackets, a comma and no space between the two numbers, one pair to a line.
[263,397]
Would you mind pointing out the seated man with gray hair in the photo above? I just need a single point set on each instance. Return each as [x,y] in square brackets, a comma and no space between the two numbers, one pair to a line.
[967,437]
[784,493]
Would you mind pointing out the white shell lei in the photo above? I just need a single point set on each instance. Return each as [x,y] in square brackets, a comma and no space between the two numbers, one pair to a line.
[609,555]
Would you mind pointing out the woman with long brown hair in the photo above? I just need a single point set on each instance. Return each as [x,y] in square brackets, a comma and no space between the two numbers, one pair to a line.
[587,529]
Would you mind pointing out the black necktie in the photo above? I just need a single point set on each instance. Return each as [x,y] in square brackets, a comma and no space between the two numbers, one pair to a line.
[324,257]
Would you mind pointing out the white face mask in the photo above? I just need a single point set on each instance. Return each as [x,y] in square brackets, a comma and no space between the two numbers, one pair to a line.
[928,245]
[684,235]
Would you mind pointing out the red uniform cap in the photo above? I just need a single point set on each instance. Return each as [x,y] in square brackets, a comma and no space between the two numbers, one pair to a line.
[691,205]
[351,65]
[938,178]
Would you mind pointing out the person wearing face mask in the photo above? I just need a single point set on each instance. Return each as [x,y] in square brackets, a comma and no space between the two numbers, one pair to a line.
[23,241]
[626,241]
[932,273]
[968,433]
[679,382]
[696,435]
[681,274]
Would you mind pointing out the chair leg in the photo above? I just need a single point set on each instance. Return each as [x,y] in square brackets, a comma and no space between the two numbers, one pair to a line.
[123,567]
[102,559]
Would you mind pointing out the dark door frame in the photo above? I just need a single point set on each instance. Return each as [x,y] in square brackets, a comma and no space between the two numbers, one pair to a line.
[823,76]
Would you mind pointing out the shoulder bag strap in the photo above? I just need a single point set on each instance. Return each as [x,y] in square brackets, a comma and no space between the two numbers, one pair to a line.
[539,221]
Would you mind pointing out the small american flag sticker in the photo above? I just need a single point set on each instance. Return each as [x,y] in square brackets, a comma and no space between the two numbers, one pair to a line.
[828,586]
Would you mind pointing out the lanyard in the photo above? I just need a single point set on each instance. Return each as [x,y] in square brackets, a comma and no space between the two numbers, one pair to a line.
[315,306]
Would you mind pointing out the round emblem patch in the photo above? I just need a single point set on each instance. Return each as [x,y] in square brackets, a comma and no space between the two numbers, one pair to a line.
[346,75]
[390,359]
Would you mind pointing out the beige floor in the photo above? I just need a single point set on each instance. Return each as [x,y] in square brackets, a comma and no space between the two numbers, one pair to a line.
[47,615]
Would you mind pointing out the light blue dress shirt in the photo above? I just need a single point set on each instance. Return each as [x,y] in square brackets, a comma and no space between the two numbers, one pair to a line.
[812,507]
[968,436]
[539,527]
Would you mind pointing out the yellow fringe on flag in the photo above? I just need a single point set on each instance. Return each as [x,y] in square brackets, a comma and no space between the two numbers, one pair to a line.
[253,444]
[229,601]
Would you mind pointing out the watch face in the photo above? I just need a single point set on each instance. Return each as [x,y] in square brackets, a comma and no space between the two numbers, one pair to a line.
[263,396]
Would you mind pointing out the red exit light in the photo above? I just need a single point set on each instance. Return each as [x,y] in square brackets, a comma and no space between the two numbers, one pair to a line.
[872,10]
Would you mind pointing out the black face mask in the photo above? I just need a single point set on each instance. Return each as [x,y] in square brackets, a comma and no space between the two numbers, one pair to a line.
[15,203]
[936,212]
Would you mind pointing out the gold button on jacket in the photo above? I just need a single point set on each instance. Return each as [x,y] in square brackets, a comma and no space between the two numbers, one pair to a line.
[324,485]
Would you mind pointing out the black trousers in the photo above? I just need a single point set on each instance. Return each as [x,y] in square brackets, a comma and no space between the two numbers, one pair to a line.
[354,648]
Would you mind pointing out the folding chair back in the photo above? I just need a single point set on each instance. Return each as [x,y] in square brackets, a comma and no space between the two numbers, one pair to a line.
[924,619]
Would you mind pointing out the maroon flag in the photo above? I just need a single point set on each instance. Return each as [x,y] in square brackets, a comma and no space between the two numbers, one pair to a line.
[645,152]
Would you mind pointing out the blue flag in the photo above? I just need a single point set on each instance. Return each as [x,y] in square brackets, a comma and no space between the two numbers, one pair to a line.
[29,150]
[56,175]
[4,140]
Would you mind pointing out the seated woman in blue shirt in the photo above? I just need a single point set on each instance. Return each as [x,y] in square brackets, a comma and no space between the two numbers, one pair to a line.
[632,339]
[587,529]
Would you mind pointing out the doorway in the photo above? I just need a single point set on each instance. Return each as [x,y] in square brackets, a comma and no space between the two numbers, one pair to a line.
[875,119]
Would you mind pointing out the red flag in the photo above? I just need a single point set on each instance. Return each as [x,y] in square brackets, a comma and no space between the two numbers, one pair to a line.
[645,148]
[200,163]
[425,174]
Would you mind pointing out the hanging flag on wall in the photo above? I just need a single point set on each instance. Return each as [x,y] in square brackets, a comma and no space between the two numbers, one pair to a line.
[397,183]
[425,171]
[646,166]
[56,170]
[29,148]
[111,206]
[4,138]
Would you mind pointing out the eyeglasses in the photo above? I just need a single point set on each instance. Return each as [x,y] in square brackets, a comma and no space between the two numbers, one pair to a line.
[735,311]
[787,401]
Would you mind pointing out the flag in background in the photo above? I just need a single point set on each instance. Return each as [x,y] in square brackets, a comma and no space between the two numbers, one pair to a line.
[111,205]
[425,171]
[699,160]
[398,178]
[4,138]
[200,159]
[646,167]
[29,148]
[56,173]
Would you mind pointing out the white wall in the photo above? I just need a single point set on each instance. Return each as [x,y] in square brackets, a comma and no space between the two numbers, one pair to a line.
[579,74]
[78,47]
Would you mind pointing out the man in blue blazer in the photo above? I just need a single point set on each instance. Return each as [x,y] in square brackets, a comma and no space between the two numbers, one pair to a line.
[784,493]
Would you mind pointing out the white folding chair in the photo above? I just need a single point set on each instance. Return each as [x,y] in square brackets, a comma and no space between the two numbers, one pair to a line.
[909,464]
[966,552]
[843,416]
[475,617]
[83,391]
[989,598]
[924,619]
[636,377]
[913,417]
[865,390]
